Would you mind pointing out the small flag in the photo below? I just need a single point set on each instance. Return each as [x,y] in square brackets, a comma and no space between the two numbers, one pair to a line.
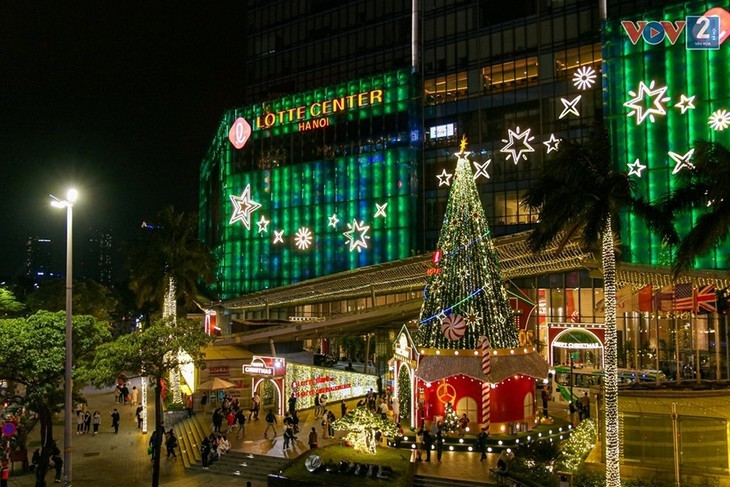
[663,299]
[625,299]
[645,299]
[706,300]
[684,299]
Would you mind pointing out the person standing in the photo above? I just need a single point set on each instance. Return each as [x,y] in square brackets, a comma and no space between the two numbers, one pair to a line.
[427,444]
[313,438]
[270,423]
[439,442]
[217,420]
[288,437]
[545,401]
[87,422]
[585,401]
[204,402]
[4,474]
[231,420]
[383,408]
[292,404]
[463,424]
[79,421]
[240,421]
[482,443]
[255,405]
[58,465]
[322,404]
[205,452]
[96,421]
[138,413]
[396,410]
[125,394]
[135,395]
[331,424]
[115,420]
[171,443]
[419,443]
[325,423]
[316,406]
[188,404]
[343,408]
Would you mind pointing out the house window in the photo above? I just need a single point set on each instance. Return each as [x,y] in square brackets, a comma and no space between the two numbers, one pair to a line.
[445,88]
[510,75]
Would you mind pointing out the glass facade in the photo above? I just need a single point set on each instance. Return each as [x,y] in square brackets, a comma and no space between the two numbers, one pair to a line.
[321,182]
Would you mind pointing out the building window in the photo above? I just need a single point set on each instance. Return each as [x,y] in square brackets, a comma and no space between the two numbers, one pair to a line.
[567,61]
[510,75]
[445,88]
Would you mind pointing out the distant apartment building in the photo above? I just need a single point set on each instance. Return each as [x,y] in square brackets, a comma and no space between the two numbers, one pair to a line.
[39,258]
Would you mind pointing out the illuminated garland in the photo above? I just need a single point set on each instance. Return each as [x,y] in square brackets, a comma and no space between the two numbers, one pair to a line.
[470,278]
[362,425]
[310,379]
[404,394]
[169,310]
[578,446]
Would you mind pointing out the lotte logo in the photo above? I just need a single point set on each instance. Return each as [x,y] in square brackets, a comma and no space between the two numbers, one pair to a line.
[707,31]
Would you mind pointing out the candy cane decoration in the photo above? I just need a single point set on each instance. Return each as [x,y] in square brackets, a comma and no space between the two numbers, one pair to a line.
[486,386]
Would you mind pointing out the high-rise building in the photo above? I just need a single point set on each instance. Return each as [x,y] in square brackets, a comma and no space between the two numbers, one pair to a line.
[39,258]
[97,260]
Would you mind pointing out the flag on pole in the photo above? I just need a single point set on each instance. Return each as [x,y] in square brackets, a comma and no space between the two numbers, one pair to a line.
[684,299]
[706,300]
[572,312]
[646,303]
[625,299]
[663,299]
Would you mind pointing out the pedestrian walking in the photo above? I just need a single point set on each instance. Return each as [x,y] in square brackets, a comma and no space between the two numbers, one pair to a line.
[231,420]
[217,420]
[240,421]
[154,444]
[115,420]
[138,414]
[204,402]
[57,463]
[317,409]
[427,444]
[205,452]
[343,408]
[96,421]
[125,394]
[79,421]
[292,403]
[135,395]
[482,443]
[289,437]
[439,443]
[585,402]
[270,423]
[189,405]
[331,424]
[171,443]
[313,438]
[419,443]
[396,410]
[255,405]
[325,423]
[87,422]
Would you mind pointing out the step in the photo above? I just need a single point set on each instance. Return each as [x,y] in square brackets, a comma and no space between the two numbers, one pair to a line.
[254,467]
[428,481]
[183,446]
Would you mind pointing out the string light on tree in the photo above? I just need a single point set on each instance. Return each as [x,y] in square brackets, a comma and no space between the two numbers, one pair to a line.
[515,151]
[584,77]
[636,168]
[333,220]
[263,224]
[681,161]
[361,229]
[380,210]
[570,106]
[719,120]
[303,238]
[552,143]
[685,103]
[444,178]
[481,169]
[243,207]
[362,425]
[638,103]
[451,419]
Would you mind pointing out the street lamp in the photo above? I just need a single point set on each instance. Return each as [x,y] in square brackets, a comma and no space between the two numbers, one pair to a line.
[68,203]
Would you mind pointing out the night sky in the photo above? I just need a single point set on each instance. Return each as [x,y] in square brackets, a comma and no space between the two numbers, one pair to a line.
[120,99]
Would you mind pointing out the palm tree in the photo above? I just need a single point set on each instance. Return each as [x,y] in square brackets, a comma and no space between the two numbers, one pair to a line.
[580,195]
[707,186]
[167,254]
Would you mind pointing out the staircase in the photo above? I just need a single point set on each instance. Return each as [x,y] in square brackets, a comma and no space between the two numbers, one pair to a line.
[428,481]
[190,434]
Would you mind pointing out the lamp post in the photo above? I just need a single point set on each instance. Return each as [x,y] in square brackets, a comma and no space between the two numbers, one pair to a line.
[68,203]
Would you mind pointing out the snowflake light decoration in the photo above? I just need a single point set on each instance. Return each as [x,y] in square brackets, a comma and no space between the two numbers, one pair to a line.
[263,224]
[243,207]
[584,78]
[638,105]
[636,168]
[380,210]
[552,143]
[681,161]
[482,169]
[719,120]
[278,236]
[333,221]
[444,178]
[303,238]
[524,139]
[472,318]
[685,103]
[570,106]
[360,228]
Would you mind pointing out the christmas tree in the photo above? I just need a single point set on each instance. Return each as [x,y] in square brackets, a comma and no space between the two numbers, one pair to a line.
[465,297]
[362,426]
[451,419]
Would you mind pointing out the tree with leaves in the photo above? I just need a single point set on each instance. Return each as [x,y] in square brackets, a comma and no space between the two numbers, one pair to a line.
[33,355]
[362,426]
[580,196]
[9,306]
[89,298]
[705,187]
[151,352]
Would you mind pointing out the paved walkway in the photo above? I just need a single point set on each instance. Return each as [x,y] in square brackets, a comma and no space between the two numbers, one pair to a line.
[121,459]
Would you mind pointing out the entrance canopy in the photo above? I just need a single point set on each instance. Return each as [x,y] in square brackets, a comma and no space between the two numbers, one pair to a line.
[577,338]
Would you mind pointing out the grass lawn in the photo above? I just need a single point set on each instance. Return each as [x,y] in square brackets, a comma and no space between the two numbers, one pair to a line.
[398,460]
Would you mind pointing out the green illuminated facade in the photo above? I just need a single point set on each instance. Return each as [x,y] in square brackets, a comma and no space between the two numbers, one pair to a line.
[325,181]
[660,98]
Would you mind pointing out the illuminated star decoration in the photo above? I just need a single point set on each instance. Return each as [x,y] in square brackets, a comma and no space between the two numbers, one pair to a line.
[685,103]
[380,210]
[570,106]
[278,236]
[360,228]
[636,168]
[243,207]
[719,120]
[263,224]
[584,78]
[510,149]
[552,143]
[333,221]
[303,238]
[681,161]
[472,318]
[637,103]
[482,169]
[444,178]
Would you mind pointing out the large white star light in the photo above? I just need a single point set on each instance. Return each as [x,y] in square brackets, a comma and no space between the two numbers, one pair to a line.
[638,103]
[444,178]
[685,103]
[303,238]
[380,210]
[570,106]
[681,161]
[719,120]
[511,150]
[584,78]
[333,221]
[552,143]
[243,207]
[636,168]
[278,236]
[361,229]
[263,224]
[482,168]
